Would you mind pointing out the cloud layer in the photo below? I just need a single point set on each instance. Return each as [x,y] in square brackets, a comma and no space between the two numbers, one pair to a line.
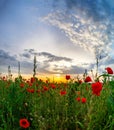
[88,24]
[47,63]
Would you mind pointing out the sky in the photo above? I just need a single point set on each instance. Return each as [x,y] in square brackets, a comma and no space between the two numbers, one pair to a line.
[67,36]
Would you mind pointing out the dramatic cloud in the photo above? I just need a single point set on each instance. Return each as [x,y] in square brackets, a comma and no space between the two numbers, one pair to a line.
[6,58]
[53,57]
[50,57]
[88,24]
[97,10]
[84,33]
[49,63]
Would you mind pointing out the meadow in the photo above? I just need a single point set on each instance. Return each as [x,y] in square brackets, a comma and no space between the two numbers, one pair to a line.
[75,105]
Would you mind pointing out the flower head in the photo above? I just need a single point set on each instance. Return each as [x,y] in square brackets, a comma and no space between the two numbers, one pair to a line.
[53,86]
[80,81]
[63,92]
[88,79]
[22,85]
[67,77]
[96,88]
[24,123]
[78,99]
[109,70]
[45,88]
[32,80]
[83,100]
[30,90]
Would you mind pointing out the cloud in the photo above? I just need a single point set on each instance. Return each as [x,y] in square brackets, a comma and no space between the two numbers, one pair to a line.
[75,70]
[88,24]
[6,58]
[31,51]
[51,64]
[48,63]
[97,10]
[26,55]
[82,32]
[52,57]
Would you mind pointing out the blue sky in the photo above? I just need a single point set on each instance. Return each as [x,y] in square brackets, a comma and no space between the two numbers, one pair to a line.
[65,35]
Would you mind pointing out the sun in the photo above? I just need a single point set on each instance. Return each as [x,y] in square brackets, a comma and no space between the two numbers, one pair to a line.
[58,78]
[58,75]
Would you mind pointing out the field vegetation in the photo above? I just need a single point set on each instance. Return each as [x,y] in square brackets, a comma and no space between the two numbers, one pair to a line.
[76,105]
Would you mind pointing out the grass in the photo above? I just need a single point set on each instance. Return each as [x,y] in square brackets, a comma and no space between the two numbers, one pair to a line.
[54,106]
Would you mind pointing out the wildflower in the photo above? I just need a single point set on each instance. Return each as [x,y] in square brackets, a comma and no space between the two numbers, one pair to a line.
[63,92]
[88,79]
[30,90]
[96,88]
[80,81]
[32,80]
[78,99]
[83,100]
[22,85]
[67,77]
[45,88]
[53,86]
[24,123]
[30,84]
[109,70]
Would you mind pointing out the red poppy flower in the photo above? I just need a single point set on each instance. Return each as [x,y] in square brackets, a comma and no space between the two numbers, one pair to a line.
[32,80]
[30,90]
[24,123]
[78,99]
[63,92]
[53,86]
[109,70]
[22,85]
[45,88]
[83,100]
[88,79]
[80,81]
[30,84]
[96,88]
[67,77]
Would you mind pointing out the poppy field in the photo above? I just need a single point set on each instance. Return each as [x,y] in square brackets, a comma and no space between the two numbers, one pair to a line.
[33,104]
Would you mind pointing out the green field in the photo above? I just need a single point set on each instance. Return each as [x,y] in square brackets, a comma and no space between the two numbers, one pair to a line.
[37,105]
